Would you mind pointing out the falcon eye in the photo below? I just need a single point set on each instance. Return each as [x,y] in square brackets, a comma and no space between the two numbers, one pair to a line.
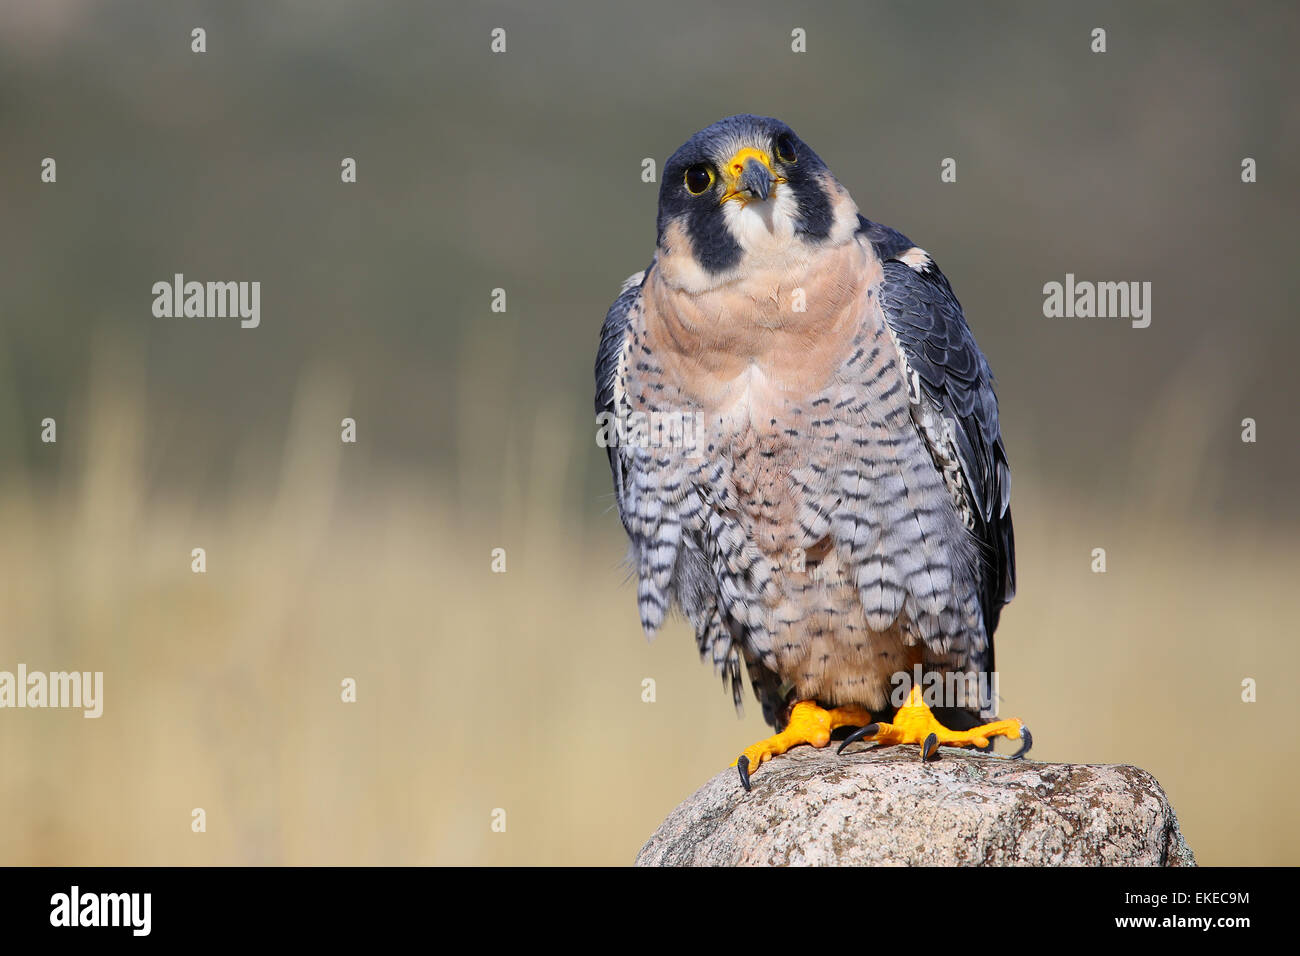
[785,149]
[698,178]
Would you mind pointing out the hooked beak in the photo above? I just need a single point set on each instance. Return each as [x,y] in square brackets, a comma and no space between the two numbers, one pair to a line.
[749,176]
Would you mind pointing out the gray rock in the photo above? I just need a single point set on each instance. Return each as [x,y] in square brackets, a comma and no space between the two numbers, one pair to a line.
[884,807]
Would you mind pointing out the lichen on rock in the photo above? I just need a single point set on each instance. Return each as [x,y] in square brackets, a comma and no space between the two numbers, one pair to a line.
[882,806]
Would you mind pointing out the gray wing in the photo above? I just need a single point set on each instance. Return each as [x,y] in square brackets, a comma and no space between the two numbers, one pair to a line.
[956,381]
[691,585]
[611,376]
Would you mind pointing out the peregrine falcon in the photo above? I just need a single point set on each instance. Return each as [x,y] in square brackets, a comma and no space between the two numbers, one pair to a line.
[806,453]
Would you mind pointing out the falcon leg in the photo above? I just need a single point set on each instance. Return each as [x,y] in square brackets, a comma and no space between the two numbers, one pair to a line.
[915,724]
[809,724]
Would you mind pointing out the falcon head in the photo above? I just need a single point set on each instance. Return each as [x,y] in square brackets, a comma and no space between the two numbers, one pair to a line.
[744,191]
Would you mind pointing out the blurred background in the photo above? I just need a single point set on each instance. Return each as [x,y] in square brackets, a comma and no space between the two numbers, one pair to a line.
[522,171]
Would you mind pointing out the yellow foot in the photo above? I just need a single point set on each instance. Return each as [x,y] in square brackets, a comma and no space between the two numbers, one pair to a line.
[809,724]
[915,724]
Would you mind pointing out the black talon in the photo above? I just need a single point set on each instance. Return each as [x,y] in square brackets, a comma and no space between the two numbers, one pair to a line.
[868,731]
[929,747]
[743,766]
[1026,741]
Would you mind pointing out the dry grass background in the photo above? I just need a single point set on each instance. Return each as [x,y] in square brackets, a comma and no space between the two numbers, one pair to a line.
[523,690]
